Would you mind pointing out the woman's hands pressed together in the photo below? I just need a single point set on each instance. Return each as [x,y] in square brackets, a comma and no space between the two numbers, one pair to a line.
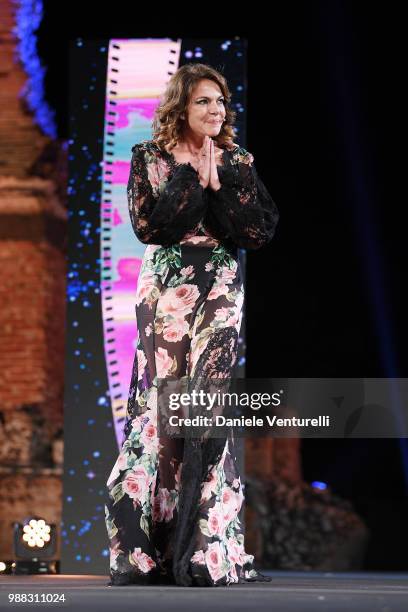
[207,166]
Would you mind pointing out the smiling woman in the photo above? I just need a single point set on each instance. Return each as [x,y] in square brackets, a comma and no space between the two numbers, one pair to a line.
[173,503]
[206,114]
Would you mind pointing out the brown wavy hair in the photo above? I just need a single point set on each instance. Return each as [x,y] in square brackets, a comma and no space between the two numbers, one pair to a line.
[167,123]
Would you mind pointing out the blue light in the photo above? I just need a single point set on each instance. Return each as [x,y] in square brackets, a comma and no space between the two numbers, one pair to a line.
[28,18]
[86,527]
[316,484]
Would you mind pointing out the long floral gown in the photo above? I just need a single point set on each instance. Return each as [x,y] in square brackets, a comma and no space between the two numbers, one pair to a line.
[172,504]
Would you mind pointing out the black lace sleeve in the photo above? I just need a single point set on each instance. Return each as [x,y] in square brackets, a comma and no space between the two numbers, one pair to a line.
[242,210]
[162,211]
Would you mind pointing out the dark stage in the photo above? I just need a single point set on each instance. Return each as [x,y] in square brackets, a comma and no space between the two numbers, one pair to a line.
[312,591]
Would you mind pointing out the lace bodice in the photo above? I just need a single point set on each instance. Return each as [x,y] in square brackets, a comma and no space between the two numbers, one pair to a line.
[168,205]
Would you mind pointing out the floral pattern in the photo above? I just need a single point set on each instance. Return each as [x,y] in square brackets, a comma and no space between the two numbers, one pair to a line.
[172,504]
[185,297]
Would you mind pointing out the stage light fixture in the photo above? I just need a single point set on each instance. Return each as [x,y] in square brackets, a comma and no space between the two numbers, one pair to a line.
[35,547]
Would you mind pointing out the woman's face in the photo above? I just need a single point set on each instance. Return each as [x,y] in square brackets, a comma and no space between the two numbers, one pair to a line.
[206,109]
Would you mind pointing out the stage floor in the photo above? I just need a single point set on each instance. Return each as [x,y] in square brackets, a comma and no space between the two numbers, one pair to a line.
[288,591]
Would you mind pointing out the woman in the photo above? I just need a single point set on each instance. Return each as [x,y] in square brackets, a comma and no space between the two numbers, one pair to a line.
[194,197]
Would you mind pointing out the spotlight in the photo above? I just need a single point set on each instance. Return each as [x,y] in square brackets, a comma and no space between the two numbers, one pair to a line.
[34,547]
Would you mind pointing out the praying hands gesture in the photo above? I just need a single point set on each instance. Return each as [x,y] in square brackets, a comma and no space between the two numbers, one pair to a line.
[207,166]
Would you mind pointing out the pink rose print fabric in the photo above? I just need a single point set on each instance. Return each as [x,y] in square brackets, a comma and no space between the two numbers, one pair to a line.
[172,504]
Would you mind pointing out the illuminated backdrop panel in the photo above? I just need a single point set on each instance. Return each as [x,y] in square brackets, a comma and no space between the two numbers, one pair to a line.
[137,73]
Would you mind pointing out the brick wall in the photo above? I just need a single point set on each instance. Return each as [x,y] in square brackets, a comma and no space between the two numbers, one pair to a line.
[33,223]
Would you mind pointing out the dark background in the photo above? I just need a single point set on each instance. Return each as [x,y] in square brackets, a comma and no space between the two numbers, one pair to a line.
[326,297]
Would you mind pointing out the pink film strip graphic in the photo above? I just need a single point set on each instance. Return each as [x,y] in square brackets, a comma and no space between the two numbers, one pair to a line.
[137,74]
